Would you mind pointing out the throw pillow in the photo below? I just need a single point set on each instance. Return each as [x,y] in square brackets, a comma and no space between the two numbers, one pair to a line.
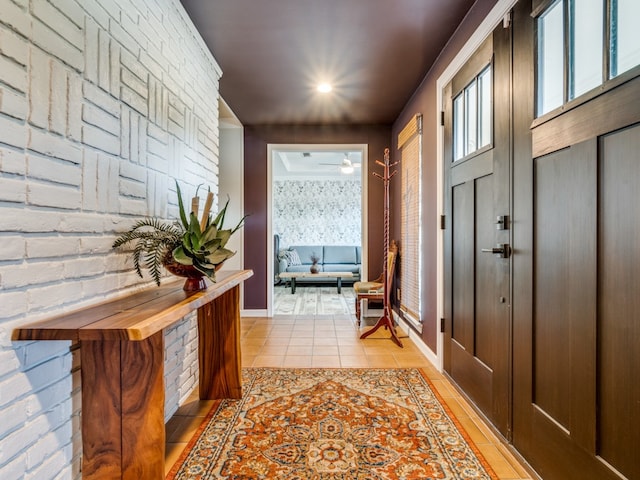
[294,258]
[283,255]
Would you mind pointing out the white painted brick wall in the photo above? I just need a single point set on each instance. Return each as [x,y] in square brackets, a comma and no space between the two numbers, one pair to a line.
[181,363]
[102,104]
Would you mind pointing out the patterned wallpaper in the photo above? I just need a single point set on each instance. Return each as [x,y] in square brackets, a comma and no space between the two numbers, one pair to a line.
[308,212]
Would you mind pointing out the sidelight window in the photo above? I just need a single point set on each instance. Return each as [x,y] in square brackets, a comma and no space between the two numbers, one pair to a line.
[581,44]
[625,36]
[550,59]
[586,27]
[473,116]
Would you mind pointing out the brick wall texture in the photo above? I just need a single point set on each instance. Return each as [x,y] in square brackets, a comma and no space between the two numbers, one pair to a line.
[102,104]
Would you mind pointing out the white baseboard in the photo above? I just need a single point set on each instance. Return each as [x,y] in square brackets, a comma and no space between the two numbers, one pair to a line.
[413,335]
[254,313]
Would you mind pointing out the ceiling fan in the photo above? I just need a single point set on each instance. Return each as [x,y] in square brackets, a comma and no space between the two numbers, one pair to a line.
[346,166]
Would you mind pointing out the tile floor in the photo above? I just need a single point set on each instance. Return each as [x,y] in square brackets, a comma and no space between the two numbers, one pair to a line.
[333,341]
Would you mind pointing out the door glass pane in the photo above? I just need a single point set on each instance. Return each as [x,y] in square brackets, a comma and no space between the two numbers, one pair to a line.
[625,35]
[550,59]
[471,127]
[586,45]
[458,128]
[484,104]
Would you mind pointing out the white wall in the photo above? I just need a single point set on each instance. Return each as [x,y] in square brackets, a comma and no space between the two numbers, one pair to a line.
[102,104]
[231,178]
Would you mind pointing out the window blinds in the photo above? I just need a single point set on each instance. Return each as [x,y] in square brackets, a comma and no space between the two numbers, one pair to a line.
[410,145]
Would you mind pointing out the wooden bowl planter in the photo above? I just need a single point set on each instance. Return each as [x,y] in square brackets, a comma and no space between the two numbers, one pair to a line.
[195,279]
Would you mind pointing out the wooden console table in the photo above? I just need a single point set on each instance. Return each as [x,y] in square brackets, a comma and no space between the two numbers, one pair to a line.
[122,368]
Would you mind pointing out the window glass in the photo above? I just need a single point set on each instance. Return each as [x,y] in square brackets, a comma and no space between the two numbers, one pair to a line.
[458,128]
[550,59]
[473,115]
[471,112]
[484,104]
[586,17]
[583,59]
[625,35]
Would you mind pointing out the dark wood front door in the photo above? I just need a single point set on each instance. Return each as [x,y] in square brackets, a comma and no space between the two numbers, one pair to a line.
[477,216]
[547,342]
[576,277]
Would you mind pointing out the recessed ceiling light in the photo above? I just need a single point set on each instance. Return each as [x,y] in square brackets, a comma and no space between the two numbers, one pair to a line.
[324,88]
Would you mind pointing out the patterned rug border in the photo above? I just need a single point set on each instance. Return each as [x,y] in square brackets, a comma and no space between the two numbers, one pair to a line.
[214,408]
[472,445]
[194,439]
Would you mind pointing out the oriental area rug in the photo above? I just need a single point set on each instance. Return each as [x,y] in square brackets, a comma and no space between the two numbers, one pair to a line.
[331,424]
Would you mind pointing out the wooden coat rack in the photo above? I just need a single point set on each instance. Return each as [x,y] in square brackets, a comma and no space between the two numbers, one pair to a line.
[386,320]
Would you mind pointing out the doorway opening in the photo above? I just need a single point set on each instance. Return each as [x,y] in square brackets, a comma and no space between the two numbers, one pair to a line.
[316,196]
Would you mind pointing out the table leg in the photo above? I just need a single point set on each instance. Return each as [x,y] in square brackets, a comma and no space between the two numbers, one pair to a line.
[339,284]
[219,347]
[123,433]
[293,285]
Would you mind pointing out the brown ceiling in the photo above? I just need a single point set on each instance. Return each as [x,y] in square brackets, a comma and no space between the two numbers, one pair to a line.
[274,52]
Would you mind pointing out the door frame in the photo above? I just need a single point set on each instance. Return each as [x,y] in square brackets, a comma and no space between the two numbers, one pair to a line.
[272,148]
[499,13]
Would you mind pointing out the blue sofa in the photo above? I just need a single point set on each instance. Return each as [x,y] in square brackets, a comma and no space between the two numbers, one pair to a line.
[333,258]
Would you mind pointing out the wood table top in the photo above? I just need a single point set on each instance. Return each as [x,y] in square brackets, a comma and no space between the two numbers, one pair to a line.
[133,317]
[319,274]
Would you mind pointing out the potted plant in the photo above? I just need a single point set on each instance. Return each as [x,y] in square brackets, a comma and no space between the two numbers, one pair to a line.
[191,247]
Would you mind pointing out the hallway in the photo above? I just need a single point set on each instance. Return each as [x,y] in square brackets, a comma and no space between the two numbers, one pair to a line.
[332,341]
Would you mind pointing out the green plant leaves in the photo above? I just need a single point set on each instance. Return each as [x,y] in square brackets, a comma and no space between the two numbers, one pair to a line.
[180,256]
[203,250]
[220,255]
[224,236]
[154,238]
[183,216]
[187,242]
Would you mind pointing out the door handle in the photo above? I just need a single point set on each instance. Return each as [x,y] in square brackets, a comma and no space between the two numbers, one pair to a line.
[501,250]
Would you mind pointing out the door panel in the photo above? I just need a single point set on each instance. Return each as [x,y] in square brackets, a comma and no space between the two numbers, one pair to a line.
[619,299]
[576,278]
[463,265]
[473,376]
[564,283]
[486,289]
[582,399]
[477,316]
[473,277]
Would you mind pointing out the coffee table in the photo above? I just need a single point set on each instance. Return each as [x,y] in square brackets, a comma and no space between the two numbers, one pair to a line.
[294,275]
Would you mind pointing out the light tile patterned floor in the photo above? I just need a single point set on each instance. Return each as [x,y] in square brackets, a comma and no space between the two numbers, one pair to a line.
[333,341]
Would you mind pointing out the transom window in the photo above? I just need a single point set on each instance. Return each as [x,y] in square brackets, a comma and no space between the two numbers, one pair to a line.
[599,47]
[472,116]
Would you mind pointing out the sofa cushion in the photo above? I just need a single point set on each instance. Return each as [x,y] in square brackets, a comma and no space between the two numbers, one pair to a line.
[340,254]
[305,252]
[300,268]
[341,267]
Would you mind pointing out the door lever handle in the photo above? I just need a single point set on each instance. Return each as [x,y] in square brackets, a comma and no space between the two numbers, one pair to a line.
[501,250]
